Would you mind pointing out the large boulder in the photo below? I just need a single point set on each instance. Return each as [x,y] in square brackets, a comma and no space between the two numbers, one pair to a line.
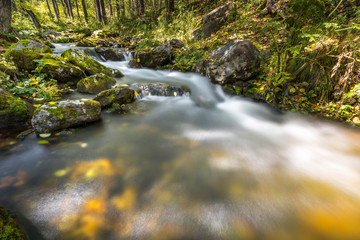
[24,52]
[13,111]
[87,64]
[62,71]
[160,56]
[95,83]
[237,61]
[214,20]
[64,114]
[116,95]
[110,54]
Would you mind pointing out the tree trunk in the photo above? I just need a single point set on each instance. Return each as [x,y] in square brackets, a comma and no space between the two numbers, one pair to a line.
[5,15]
[33,19]
[170,6]
[103,12]
[141,7]
[48,6]
[64,8]
[110,8]
[85,10]
[69,8]
[56,9]
[77,8]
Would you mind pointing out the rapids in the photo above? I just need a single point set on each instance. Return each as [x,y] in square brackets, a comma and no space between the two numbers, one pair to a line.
[204,166]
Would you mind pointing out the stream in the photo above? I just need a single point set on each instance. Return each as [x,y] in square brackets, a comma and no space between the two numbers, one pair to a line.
[198,166]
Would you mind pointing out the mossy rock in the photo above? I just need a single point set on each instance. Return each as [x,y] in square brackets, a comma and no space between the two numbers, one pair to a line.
[353,96]
[24,52]
[62,71]
[85,43]
[87,64]
[8,69]
[65,40]
[13,111]
[9,229]
[55,116]
[116,95]
[95,83]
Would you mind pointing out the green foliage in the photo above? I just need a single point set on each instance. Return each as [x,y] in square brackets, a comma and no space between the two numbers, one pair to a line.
[9,229]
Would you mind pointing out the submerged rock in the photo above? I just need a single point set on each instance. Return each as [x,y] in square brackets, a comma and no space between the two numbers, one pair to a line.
[160,56]
[87,64]
[238,61]
[9,229]
[160,89]
[110,54]
[24,52]
[13,111]
[95,83]
[62,71]
[116,95]
[64,114]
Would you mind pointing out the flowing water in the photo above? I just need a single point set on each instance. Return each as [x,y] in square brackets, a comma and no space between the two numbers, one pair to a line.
[205,166]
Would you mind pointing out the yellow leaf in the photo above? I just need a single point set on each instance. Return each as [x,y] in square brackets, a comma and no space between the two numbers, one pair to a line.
[138,60]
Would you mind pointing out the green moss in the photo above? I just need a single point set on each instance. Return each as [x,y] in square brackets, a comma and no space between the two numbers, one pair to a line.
[13,111]
[85,43]
[9,229]
[24,52]
[87,64]
[95,83]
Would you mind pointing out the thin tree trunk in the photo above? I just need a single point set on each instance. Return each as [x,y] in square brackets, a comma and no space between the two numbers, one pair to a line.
[48,6]
[65,10]
[110,8]
[5,15]
[69,9]
[56,9]
[103,12]
[141,6]
[84,10]
[33,19]
[77,8]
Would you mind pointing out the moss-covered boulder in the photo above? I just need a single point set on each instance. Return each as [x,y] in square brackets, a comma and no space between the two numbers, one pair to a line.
[95,83]
[116,95]
[353,96]
[62,71]
[64,114]
[160,56]
[9,229]
[13,110]
[87,64]
[24,52]
[85,43]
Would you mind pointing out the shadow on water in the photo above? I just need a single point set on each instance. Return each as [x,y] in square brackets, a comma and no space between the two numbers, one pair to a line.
[182,169]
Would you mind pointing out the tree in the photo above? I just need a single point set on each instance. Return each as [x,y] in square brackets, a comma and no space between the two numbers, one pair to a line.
[84,10]
[56,9]
[48,6]
[5,15]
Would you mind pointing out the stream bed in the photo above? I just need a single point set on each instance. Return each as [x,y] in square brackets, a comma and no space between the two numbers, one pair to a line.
[199,166]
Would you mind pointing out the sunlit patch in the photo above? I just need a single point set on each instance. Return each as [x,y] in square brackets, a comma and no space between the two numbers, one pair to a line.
[95,205]
[125,201]
[93,169]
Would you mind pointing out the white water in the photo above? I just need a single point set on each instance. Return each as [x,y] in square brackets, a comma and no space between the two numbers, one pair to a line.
[208,166]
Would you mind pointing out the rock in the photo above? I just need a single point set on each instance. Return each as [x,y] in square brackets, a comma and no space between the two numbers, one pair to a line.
[176,43]
[160,89]
[213,21]
[49,44]
[85,43]
[9,229]
[13,111]
[95,83]
[135,63]
[116,73]
[24,52]
[160,56]
[64,114]
[238,61]
[353,96]
[116,95]
[62,71]
[87,64]
[103,34]
[110,54]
